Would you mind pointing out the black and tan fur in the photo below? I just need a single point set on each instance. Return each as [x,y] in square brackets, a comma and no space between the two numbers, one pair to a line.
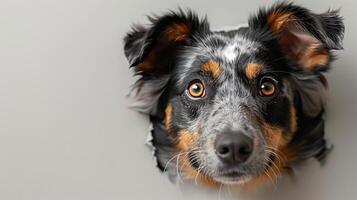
[286,43]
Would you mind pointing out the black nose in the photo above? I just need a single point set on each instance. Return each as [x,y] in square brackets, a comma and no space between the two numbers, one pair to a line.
[233,147]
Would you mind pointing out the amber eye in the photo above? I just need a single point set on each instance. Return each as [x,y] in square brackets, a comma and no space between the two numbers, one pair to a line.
[196,89]
[267,87]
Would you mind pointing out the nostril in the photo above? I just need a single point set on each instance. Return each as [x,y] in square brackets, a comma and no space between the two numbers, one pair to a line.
[243,153]
[245,150]
[223,150]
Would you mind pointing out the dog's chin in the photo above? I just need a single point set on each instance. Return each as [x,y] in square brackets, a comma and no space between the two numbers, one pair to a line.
[233,178]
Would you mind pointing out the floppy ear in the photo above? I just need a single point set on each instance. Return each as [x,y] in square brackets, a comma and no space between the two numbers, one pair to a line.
[151,49]
[152,52]
[311,94]
[303,37]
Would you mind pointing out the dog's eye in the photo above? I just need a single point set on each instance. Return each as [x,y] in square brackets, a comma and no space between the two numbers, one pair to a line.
[196,89]
[267,87]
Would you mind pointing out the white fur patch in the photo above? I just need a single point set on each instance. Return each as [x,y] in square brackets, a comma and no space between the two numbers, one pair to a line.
[235,47]
[230,52]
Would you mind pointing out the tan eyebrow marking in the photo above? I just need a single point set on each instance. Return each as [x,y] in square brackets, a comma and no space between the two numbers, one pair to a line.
[212,67]
[253,70]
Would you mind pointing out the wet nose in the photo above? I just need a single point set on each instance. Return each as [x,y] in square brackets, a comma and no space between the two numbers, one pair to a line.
[233,147]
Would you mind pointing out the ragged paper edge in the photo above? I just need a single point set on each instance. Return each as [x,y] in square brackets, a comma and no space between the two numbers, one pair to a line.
[171,174]
[150,145]
[230,28]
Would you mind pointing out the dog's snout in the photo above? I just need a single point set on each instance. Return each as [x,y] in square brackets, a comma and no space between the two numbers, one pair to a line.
[233,147]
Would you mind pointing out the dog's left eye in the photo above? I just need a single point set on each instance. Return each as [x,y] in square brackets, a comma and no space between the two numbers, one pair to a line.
[196,89]
[268,87]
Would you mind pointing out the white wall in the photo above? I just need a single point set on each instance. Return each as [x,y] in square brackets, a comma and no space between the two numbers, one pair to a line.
[65,131]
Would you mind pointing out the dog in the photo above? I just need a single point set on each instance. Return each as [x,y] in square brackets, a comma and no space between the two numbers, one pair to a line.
[237,106]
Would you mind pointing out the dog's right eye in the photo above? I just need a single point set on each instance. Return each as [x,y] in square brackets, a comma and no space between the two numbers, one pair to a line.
[268,87]
[196,89]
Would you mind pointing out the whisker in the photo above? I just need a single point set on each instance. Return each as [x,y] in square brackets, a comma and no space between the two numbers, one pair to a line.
[168,162]
[219,191]
[198,173]
[270,178]
[177,168]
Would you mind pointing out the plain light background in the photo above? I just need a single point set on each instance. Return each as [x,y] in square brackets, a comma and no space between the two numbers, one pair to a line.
[66,132]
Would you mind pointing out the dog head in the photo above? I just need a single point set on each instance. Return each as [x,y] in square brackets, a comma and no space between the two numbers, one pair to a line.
[235,106]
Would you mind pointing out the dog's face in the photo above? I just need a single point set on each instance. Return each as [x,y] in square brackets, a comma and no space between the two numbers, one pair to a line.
[235,106]
[230,106]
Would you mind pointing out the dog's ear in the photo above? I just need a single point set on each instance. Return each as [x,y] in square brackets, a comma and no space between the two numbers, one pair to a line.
[152,49]
[303,37]
[311,94]
[152,52]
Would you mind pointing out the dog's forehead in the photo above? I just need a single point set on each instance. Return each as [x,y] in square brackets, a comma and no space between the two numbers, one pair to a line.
[226,50]
[229,48]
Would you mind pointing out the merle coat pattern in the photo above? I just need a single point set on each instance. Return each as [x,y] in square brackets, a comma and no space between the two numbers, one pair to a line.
[285,48]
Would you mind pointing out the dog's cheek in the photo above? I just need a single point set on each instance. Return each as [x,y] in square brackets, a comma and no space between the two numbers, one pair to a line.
[191,173]
[277,140]
[186,140]
[274,136]
[293,119]
[277,112]
[168,116]
[279,131]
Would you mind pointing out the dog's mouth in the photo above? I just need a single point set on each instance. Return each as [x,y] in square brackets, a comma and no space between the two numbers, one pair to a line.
[225,176]
[239,177]
[232,177]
